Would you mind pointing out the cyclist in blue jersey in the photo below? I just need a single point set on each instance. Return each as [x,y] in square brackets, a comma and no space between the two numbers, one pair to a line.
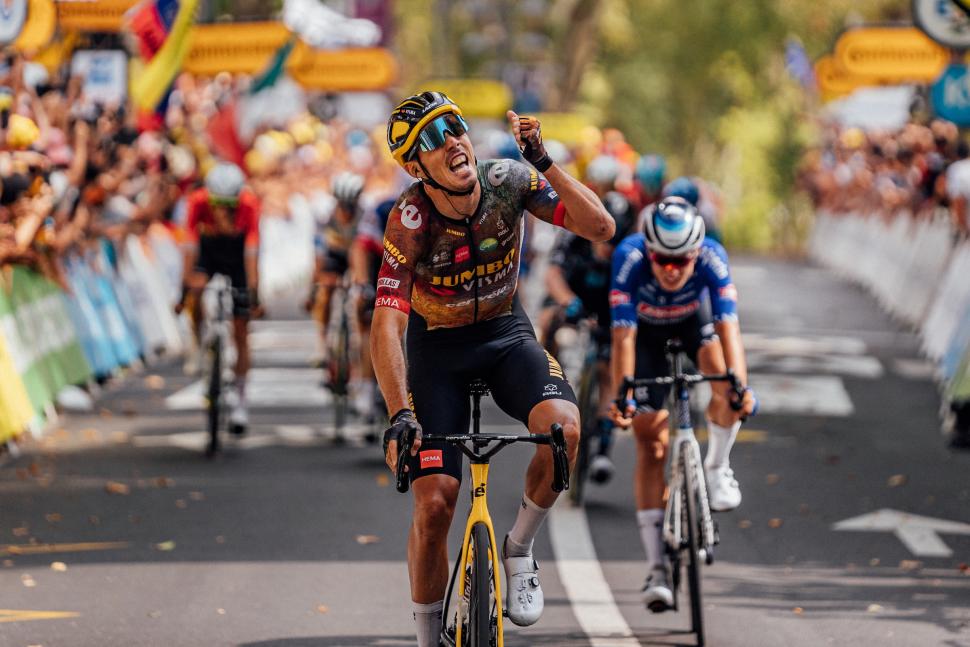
[672,282]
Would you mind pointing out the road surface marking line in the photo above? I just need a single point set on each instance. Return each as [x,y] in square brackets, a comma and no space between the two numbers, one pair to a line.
[582,577]
[17,615]
[41,549]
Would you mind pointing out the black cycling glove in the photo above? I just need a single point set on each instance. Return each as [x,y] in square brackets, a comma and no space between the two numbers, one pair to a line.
[399,424]
[532,149]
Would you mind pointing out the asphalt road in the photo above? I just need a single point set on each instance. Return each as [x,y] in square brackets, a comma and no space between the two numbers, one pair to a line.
[114,530]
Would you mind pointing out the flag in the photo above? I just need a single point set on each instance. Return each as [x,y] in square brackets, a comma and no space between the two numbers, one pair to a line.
[150,87]
[276,67]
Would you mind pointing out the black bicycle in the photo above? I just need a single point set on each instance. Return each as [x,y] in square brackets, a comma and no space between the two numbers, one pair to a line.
[478,617]
[689,530]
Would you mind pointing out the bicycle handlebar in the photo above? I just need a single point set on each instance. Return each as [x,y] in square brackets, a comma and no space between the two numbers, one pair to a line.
[630,384]
[556,441]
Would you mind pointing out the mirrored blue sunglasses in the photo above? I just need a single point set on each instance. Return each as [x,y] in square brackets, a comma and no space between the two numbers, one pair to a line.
[434,135]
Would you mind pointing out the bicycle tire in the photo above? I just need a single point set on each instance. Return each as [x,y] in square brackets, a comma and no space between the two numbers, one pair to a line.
[693,545]
[480,604]
[214,396]
[587,416]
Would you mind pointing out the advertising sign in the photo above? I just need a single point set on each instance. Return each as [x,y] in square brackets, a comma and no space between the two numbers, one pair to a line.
[92,15]
[363,68]
[105,74]
[484,98]
[13,15]
[950,95]
[900,53]
[943,21]
[566,127]
[245,47]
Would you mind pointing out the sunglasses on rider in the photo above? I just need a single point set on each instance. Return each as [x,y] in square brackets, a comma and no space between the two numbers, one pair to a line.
[434,135]
[676,261]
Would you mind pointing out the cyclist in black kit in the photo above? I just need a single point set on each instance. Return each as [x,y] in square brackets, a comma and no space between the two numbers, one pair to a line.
[449,277]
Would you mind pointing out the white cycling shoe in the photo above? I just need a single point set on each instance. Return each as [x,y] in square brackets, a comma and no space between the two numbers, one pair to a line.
[523,593]
[601,469]
[656,593]
[724,491]
[238,412]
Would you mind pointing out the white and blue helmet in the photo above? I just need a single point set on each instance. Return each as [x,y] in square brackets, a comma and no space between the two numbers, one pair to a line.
[673,227]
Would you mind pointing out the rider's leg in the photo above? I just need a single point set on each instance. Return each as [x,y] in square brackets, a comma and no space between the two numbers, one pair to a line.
[649,485]
[435,496]
[723,422]
[605,425]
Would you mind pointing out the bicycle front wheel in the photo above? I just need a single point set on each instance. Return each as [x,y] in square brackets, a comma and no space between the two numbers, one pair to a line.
[214,397]
[692,535]
[481,607]
[588,402]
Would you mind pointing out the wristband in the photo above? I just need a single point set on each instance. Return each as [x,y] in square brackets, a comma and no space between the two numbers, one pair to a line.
[543,163]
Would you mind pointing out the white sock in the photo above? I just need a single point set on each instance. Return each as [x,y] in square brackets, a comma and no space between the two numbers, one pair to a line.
[427,621]
[651,534]
[720,440]
[527,525]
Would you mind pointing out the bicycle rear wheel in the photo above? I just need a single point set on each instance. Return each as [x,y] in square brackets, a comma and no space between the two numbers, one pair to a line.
[690,491]
[588,402]
[214,397]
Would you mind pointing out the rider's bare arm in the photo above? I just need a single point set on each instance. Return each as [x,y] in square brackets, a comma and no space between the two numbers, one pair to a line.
[622,356]
[387,331]
[729,333]
[585,214]
[557,286]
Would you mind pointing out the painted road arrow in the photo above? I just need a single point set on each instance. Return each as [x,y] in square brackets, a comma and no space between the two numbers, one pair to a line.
[918,534]
[19,615]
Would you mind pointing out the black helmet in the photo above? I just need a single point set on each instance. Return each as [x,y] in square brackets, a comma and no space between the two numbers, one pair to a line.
[622,211]
[410,116]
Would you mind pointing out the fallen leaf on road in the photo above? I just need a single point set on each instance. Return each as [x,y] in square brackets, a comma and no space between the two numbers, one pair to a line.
[8,563]
[53,517]
[744,523]
[181,504]
[775,523]
[164,482]
[804,508]
[34,469]
[154,614]
[772,479]
[119,437]
[833,459]
[114,487]
[323,609]
[874,561]
[94,520]
[383,480]
[798,611]
[197,496]
[363,540]
[22,474]
[165,546]
[910,564]
[106,413]
[220,539]
[897,480]
[60,567]
[964,568]
[155,382]
[22,531]
[28,581]
[91,435]
[221,612]
[874,608]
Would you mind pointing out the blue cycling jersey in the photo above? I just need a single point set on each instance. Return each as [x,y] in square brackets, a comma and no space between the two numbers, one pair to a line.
[636,295]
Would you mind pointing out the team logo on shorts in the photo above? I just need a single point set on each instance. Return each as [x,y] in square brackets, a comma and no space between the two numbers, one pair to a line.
[550,389]
[431,458]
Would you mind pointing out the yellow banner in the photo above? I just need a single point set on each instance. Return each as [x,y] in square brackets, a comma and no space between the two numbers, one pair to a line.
[344,69]
[99,15]
[238,48]
[898,53]
[477,97]
[39,28]
[835,82]
[566,127]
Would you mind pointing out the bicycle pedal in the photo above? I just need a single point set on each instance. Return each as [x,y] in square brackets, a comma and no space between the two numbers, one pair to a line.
[237,430]
[658,607]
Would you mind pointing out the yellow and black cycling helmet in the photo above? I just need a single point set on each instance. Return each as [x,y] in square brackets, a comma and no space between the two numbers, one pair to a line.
[410,116]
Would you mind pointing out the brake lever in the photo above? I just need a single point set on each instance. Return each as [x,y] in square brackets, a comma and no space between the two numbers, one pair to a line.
[403,458]
[560,460]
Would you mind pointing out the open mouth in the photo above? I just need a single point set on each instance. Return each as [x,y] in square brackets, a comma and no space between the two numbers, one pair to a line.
[458,163]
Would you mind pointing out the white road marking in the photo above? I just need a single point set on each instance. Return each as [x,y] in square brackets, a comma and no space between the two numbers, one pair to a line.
[863,366]
[814,345]
[914,369]
[814,395]
[582,577]
[266,387]
[918,534]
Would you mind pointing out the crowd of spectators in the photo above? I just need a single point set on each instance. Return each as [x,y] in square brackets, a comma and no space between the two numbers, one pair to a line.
[916,169]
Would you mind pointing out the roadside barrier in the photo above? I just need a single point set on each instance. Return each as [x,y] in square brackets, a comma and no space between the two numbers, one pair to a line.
[116,312]
[918,272]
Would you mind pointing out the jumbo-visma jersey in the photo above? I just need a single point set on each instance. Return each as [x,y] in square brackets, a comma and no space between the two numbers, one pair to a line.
[458,272]
[636,295]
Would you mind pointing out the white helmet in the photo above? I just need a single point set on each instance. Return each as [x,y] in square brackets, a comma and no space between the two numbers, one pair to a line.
[347,187]
[225,181]
[673,227]
[603,170]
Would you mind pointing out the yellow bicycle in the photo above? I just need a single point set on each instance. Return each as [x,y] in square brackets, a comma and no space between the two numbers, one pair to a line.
[478,617]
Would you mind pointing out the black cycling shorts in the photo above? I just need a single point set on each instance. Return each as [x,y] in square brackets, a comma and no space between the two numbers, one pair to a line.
[693,332]
[504,352]
[336,262]
[226,255]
